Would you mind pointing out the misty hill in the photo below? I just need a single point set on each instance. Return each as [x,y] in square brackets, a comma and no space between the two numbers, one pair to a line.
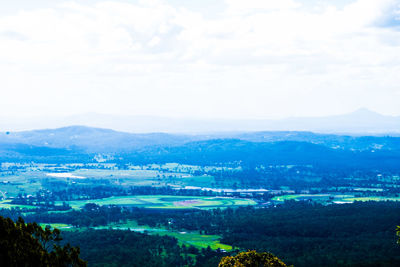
[362,121]
[78,143]
[97,140]
[90,139]
[245,153]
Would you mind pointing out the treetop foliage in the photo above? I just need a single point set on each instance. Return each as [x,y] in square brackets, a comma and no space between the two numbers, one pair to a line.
[28,244]
[252,259]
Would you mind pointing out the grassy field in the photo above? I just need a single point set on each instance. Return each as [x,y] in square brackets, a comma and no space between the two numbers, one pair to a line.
[372,198]
[187,238]
[60,226]
[5,204]
[198,240]
[13,184]
[147,177]
[324,198]
[301,197]
[166,202]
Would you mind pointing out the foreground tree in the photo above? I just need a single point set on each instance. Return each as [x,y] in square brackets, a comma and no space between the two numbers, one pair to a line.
[252,259]
[398,233]
[28,244]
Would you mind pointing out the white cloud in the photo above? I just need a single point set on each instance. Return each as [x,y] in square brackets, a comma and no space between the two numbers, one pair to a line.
[154,41]
[238,6]
[255,59]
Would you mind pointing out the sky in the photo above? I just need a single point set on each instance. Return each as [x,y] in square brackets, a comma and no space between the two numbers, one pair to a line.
[199,59]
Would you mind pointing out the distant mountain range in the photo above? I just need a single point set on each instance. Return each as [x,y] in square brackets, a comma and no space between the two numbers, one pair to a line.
[88,144]
[98,140]
[362,122]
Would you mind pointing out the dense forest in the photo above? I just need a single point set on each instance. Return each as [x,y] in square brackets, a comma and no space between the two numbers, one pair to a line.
[126,248]
[303,234]
[300,233]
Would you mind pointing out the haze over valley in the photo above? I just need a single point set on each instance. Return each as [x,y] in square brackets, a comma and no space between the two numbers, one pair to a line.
[165,133]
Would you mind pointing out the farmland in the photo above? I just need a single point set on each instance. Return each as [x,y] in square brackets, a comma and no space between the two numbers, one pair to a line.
[188,238]
[332,198]
[166,202]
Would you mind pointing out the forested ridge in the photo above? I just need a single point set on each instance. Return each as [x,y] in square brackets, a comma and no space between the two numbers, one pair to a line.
[323,150]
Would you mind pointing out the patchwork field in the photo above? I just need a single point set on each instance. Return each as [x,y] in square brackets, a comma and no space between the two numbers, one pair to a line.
[187,238]
[30,181]
[331,198]
[6,204]
[166,202]
[372,198]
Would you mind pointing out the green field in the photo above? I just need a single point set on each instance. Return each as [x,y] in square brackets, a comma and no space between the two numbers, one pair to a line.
[166,202]
[372,198]
[301,197]
[325,198]
[6,204]
[188,238]
[26,182]
[147,177]
[198,240]
[60,226]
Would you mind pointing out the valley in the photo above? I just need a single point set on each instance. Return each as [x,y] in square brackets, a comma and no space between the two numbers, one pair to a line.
[200,192]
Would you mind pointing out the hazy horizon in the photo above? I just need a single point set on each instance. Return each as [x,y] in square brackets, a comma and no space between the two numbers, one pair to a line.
[361,121]
[215,59]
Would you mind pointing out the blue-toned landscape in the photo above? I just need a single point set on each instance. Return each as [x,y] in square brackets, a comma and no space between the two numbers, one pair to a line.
[213,194]
[224,133]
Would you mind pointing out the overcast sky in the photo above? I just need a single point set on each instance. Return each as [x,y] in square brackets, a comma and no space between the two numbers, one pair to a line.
[203,59]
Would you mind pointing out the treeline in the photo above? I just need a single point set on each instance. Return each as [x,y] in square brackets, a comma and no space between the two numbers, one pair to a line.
[45,198]
[359,234]
[302,234]
[220,151]
[126,248]
[245,153]
[93,215]
[30,245]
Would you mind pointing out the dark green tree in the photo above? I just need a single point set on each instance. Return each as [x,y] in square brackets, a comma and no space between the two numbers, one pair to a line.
[28,244]
[398,233]
[252,259]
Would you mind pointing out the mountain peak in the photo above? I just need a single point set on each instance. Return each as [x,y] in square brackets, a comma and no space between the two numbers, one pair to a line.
[364,112]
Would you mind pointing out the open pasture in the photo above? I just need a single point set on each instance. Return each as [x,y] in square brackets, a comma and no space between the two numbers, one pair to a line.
[137,177]
[332,198]
[198,240]
[166,202]
[371,198]
[302,197]
[187,238]
[6,204]
[60,226]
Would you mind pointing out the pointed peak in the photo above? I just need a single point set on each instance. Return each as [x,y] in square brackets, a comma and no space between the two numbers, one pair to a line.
[365,112]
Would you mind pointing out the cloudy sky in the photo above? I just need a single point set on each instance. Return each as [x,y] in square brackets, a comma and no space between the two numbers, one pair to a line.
[203,59]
